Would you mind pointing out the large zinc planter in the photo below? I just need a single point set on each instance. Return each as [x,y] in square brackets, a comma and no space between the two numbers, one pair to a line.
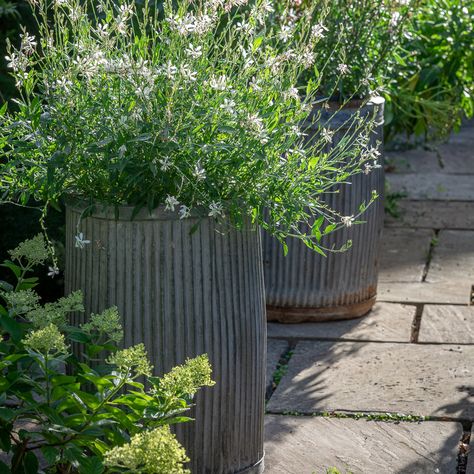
[184,292]
[306,286]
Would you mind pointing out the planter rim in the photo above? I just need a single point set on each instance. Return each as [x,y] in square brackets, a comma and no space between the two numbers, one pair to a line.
[126,212]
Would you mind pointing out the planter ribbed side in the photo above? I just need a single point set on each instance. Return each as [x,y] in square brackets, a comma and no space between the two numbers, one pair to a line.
[305,286]
[185,293]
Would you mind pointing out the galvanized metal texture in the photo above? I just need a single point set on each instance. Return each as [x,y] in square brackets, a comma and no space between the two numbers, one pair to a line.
[305,286]
[185,294]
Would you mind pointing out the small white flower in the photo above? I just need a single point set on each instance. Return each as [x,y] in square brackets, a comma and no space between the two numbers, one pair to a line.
[188,73]
[165,163]
[367,168]
[347,220]
[317,31]
[170,203]
[343,69]
[307,58]
[28,43]
[216,209]
[292,93]
[184,212]
[53,271]
[228,106]
[371,153]
[194,52]
[81,242]
[218,83]
[285,33]
[327,135]
[170,70]
[199,172]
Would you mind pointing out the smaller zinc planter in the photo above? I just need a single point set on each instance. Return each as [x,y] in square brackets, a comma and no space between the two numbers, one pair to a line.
[307,286]
[184,293]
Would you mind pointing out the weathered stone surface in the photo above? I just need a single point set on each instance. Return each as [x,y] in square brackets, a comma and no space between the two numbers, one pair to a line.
[436,186]
[420,379]
[454,292]
[447,324]
[470,458]
[457,158]
[304,445]
[275,349]
[386,322]
[453,257]
[412,161]
[404,254]
[433,215]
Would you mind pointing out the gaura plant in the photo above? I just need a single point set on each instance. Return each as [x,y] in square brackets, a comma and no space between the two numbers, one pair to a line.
[195,107]
[91,414]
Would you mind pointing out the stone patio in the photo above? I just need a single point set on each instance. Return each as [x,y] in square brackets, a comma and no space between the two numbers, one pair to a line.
[392,392]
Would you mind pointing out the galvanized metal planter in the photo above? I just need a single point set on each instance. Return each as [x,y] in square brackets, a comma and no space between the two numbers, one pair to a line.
[184,294]
[305,286]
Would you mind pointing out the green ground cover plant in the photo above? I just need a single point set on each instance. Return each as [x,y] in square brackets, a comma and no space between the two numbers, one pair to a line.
[92,410]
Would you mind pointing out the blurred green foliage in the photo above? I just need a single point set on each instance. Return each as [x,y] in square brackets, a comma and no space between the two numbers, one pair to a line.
[430,83]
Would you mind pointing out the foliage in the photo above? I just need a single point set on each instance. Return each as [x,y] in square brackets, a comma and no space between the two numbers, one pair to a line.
[87,414]
[196,109]
[355,39]
[431,77]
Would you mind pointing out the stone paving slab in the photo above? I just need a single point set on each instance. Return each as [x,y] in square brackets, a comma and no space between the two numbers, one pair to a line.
[412,161]
[433,215]
[419,379]
[308,445]
[275,349]
[457,158]
[403,254]
[454,292]
[386,322]
[447,324]
[453,257]
[433,186]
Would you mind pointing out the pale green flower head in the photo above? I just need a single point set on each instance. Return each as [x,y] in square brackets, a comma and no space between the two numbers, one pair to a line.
[45,341]
[154,452]
[133,359]
[107,322]
[56,313]
[188,378]
[34,251]
[21,302]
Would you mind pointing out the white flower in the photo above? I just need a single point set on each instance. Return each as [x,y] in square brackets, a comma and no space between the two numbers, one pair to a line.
[165,163]
[28,43]
[317,31]
[218,83]
[53,271]
[170,203]
[184,212]
[228,106]
[187,72]
[307,58]
[80,241]
[395,20]
[199,172]
[285,33]
[215,209]
[194,52]
[371,153]
[17,61]
[327,135]
[170,70]
[347,220]
[292,93]
[343,69]
[63,83]
[367,168]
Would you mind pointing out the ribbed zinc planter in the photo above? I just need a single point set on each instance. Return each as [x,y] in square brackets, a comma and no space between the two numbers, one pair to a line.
[305,286]
[185,294]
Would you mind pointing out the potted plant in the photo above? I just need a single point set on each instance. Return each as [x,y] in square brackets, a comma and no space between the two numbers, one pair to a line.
[355,40]
[172,136]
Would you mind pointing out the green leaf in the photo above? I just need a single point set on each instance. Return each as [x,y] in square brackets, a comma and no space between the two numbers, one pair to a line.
[4,469]
[14,268]
[256,43]
[91,465]
[31,463]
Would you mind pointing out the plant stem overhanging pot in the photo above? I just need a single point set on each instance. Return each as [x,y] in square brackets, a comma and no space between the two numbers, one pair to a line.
[305,286]
[185,293]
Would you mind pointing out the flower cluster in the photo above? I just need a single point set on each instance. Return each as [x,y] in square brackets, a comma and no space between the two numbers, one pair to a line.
[132,360]
[107,322]
[188,378]
[157,450]
[34,251]
[46,341]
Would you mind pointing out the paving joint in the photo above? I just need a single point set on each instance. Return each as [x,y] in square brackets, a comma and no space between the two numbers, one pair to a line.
[464,447]
[416,324]
[433,244]
[281,369]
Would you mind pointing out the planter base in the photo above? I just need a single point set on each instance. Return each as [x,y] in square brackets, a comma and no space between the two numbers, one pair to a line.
[317,315]
[257,468]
